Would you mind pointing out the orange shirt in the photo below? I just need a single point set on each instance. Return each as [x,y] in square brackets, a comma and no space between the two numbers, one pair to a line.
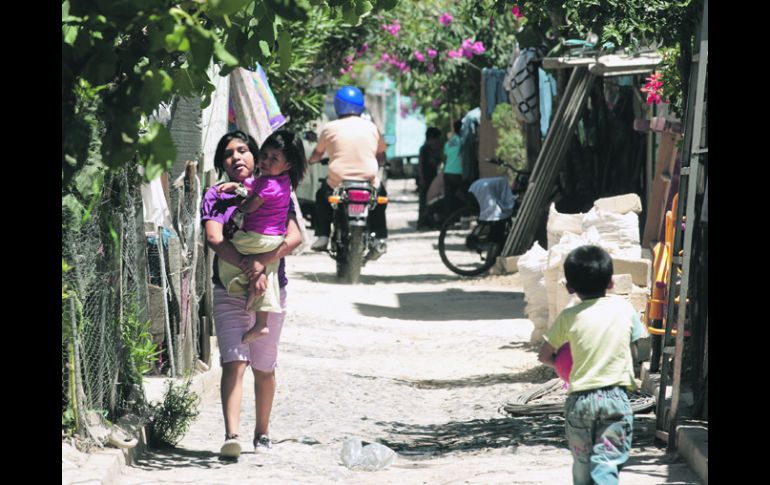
[352,144]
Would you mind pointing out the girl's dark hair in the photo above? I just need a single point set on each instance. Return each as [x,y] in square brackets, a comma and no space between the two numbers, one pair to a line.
[432,132]
[293,149]
[588,270]
[219,154]
[458,126]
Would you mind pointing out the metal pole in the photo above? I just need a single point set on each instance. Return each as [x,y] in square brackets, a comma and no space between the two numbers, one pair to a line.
[164,286]
[692,190]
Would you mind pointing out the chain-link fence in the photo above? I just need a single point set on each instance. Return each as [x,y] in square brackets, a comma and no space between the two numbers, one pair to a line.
[116,316]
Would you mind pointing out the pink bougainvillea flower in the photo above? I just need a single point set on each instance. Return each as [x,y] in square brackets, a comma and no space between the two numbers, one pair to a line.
[385,57]
[478,48]
[467,48]
[435,103]
[445,19]
[392,29]
[418,55]
[454,54]
[654,88]
[377,65]
[516,13]
[432,53]
[443,88]
[430,68]
[362,50]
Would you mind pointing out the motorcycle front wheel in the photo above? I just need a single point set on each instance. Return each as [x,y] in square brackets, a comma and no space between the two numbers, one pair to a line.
[464,244]
[350,260]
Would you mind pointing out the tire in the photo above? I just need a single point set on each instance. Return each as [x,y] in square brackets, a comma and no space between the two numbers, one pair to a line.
[351,259]
[456,244]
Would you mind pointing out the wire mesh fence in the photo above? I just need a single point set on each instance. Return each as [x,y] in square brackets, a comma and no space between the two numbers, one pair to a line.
[114,317]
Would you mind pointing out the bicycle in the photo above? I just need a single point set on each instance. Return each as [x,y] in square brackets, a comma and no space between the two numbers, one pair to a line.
[468,245]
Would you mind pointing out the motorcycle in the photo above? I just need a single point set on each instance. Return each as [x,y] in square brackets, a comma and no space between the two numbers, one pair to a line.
[470,240]
[351,236]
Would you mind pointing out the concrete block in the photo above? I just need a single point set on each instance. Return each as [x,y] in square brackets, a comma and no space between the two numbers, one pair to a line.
[639,269]
[693,446]
[622,284]
[644,346]
[638,298]
[511,264]
[620,204]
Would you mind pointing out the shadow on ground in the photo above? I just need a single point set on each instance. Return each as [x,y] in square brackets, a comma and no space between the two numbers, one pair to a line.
[170,458]
[451,304]
[331,278]
[462,436]
[536,375]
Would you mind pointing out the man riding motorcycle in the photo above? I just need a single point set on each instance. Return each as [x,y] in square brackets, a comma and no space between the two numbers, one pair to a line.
[356,150]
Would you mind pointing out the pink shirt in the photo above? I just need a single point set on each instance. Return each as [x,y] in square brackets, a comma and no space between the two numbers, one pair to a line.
[270,218]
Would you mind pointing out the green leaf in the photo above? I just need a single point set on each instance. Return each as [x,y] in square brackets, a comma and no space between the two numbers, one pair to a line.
[290,9]
[387,4]
[363,8]
[226,7]
[284,50]
[156,150]
[264,48]
[202,47]
[74,209]
[177,40]
[101,66]
[266,31]
[157,84]
[350,16]
[89,180]
[223,55]
[183,82]
[70,33]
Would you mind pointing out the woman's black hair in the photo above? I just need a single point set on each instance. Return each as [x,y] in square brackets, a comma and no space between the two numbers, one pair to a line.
[219,154]
[293,149]
[458,126]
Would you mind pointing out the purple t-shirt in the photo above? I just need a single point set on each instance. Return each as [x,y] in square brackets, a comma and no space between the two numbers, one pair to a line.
[270,218]
[216,207]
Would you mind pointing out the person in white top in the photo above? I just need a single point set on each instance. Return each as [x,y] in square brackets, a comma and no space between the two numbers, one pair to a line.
[356,150]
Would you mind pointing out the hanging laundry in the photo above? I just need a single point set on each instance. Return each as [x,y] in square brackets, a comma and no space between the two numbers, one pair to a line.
[547,92]
[252,107]
[494,92]
[469,144]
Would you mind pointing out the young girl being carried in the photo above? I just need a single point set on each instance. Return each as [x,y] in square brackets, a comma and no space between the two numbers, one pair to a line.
[265,201]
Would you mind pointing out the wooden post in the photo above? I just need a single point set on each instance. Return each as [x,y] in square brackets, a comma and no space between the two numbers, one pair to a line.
[656,206]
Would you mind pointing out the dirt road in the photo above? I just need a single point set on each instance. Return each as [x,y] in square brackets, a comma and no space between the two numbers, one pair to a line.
[413,357]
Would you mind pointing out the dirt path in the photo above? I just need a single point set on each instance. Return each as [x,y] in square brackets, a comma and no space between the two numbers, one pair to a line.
[415,358]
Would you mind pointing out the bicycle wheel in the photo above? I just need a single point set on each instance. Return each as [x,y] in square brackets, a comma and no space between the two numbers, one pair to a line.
[464,244]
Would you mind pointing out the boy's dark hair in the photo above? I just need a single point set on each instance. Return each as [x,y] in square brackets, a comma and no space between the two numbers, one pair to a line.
[293,149]
[458,126]
[432,132]
[588,270]
[219,154]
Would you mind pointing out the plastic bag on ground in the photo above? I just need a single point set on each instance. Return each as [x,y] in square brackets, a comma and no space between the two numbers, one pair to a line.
[373,456]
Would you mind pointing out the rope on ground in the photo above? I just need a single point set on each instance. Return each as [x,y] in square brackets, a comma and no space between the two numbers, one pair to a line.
[551,397]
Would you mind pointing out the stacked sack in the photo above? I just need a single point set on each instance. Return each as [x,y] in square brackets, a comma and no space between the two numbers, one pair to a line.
[613,224]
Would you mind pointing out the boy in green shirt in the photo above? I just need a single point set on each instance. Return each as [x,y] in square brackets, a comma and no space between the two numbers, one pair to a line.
[602,332]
